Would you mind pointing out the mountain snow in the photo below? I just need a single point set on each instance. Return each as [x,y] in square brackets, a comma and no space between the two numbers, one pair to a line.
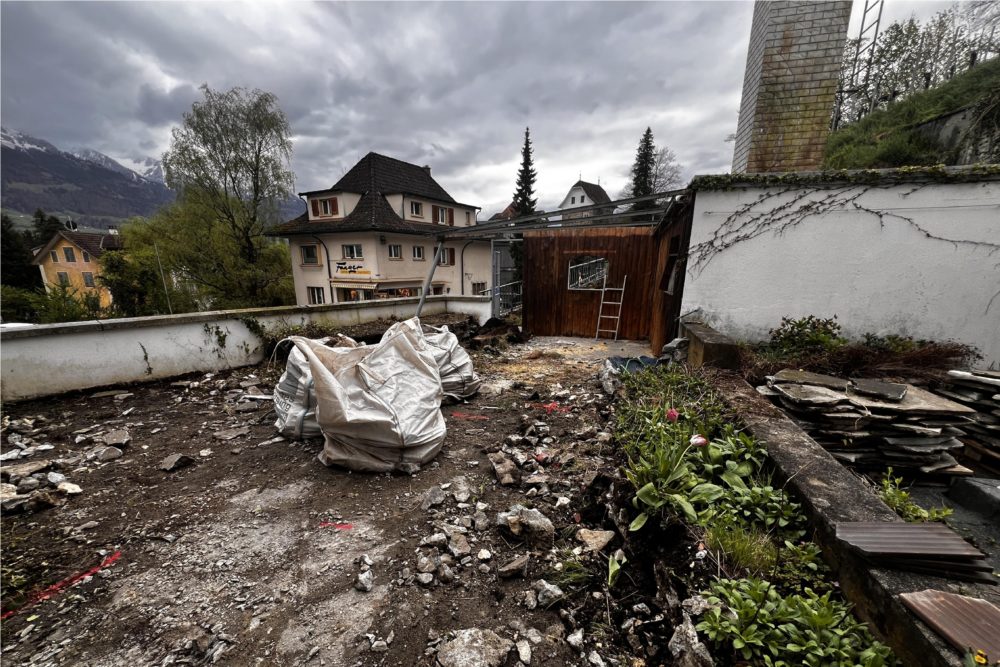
[20,141]
[147,168]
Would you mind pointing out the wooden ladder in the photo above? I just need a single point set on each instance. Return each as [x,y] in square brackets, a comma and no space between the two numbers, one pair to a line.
[617,316]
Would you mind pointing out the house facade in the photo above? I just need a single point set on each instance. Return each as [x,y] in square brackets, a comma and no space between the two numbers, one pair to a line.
[373,235]
[70,258]
[583,194]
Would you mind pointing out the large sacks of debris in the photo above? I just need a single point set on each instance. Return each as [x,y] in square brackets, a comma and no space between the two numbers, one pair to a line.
[379,406]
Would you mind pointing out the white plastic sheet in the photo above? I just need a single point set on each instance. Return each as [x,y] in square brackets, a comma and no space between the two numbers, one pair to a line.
[378,407]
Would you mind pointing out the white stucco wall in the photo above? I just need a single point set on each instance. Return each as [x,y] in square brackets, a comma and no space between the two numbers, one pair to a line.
[56,358]
[888,278]
[378,268]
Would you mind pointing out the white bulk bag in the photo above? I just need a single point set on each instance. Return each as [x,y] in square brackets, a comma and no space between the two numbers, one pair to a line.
[458,379]
[379,407]
[294,398]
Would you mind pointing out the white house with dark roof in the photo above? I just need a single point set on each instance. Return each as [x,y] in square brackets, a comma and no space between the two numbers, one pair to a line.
[583,194]
[372,236]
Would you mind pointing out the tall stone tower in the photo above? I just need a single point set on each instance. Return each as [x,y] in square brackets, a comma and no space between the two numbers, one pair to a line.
[790,84]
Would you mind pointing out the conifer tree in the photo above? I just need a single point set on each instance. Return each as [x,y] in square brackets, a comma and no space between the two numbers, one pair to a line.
[643,170]
[524,193]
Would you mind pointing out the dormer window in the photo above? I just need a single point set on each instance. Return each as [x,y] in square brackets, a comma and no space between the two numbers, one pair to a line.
[325,208]
[416,209]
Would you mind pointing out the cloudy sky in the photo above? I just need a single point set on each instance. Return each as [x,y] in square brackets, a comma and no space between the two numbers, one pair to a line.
[452,85]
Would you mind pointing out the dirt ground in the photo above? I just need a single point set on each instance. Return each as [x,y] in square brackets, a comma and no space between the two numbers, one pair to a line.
[251,554]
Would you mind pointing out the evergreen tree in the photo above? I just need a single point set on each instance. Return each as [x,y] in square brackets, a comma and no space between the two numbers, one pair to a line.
[644,170]
[524,199]
[15,262]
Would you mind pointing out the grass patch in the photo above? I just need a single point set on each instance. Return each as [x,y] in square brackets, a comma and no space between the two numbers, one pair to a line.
[888,138]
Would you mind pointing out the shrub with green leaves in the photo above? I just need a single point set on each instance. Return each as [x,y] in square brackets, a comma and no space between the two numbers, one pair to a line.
[751,621]
[806,334]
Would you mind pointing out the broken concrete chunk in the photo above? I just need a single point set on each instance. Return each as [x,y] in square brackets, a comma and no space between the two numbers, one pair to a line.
[595,540]
[365,581]
[505,469]
[15,472]
[69,488]
[548,594]
[230,433]
[458,545]
[7,491]
[119,438]
[686,648]
[528,524]
[110,454]
[434,496]
[175,462]
[515,568]
[805,377]
[460,489]
[474,648]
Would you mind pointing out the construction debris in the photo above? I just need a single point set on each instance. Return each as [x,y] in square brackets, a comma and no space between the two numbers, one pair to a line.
[875,424]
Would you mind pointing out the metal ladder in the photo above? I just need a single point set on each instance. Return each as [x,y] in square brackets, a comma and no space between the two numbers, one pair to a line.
[617,317]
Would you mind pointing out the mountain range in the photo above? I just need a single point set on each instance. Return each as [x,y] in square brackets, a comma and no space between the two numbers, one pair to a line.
[83,184]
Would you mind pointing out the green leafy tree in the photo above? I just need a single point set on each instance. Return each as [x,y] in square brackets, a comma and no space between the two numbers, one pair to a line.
[15,258]
[45,226]
[63,303]
[138,288]
[524,198]
[229,163]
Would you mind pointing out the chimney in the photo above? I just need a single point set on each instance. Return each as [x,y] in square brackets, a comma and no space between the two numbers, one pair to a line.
[790,85]
[427,168]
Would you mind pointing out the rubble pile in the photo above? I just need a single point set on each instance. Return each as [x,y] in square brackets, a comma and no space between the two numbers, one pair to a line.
[980,391]
[875,424]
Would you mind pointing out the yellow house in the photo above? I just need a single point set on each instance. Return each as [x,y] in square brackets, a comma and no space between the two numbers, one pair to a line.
[70,258]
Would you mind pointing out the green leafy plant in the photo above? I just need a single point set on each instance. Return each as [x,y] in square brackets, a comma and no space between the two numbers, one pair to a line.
[806,334]
[899,501]
[752,621]
[615,562]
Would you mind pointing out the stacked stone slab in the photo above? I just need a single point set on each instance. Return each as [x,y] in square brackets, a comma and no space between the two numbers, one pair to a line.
[978,390]
[873,424]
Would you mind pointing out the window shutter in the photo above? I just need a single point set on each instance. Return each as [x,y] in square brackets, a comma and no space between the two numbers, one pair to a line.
[334,209]
[434,213]
[451,217]
[315,208]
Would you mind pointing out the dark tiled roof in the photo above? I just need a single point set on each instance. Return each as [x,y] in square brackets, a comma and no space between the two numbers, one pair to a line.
[372,214]
[505,214]
[391,176]
[594,191]
[95,243]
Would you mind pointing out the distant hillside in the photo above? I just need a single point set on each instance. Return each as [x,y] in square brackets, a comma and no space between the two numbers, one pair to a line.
[94,190]
[919,130]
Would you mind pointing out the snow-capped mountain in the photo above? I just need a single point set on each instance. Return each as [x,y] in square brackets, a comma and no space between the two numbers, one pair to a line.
[147,167]
[20,141]
[86,185]
[98,158]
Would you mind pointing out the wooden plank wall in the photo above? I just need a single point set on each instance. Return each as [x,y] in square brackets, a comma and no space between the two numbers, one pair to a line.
[550,309]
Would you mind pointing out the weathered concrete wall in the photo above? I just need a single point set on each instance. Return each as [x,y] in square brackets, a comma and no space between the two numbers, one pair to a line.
[56,358]
[793,63]
[865,253]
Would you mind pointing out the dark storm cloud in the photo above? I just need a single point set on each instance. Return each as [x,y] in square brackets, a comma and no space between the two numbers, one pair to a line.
[452,85]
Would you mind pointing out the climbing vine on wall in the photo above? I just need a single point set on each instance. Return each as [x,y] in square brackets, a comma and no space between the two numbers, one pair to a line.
[774,211]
